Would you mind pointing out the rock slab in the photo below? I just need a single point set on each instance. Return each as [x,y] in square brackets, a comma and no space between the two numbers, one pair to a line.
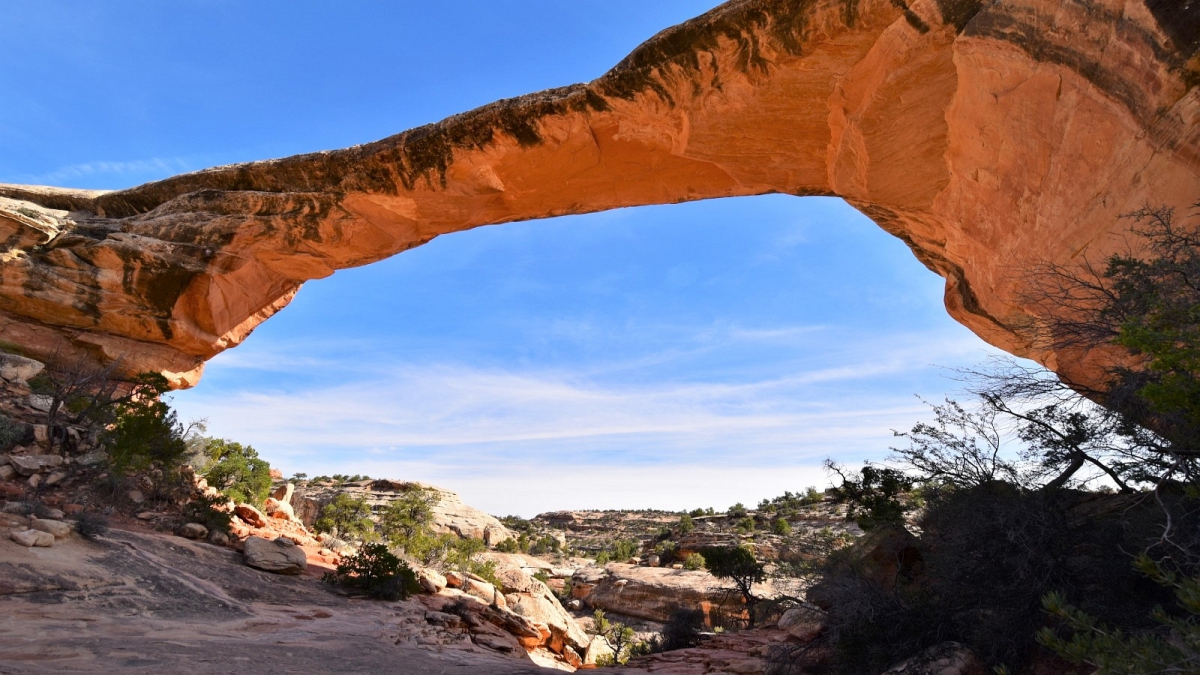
[281,556]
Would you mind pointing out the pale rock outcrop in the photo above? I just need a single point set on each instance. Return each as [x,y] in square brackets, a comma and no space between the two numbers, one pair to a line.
[31,538]
[55,528]
[449,515]
[281,556]
[652,593]
[192,531]
[947,658]
[988,136]
[27,465]
[15,368]
[803,623]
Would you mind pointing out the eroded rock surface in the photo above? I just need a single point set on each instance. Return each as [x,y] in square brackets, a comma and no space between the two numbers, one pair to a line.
[137,603]
[989,136]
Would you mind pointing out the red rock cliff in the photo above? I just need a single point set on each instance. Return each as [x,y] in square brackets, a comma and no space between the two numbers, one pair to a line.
[988,135]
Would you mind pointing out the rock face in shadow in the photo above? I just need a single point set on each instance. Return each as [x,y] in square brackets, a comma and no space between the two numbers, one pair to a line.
[989,136]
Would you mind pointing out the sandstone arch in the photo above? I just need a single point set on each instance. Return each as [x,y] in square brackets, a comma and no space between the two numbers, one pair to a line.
[986,134]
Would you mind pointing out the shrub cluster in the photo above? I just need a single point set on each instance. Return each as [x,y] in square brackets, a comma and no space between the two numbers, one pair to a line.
[375,572]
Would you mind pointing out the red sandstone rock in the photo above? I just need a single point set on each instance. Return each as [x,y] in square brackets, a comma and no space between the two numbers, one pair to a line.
[988,136]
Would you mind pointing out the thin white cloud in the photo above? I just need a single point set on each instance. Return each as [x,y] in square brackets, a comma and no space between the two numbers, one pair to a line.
[154,167]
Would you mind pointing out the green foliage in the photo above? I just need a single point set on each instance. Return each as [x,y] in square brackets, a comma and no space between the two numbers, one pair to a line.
[1173,649]
[789,504]
[741,568]
[736,511]
[208,512]
[694,561]
[90,525]
[745,525]
[375,572]
[620,638]
[346,516]
[686,525]
[781,527]
[11,433]
[146,432]
[409,515]
[873,499]
[237,471]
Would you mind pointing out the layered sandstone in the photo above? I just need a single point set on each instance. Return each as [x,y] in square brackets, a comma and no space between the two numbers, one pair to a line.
[989,136]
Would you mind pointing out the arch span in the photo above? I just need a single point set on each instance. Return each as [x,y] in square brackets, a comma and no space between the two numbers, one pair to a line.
[987,135]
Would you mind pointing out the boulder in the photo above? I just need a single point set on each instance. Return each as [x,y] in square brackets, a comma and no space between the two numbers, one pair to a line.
[284,493]
[484,591]
[218,538]
[35,480]
[55,478]
[40,402]
[279,509]
[803,623]
[251,515]
[431,582]
[27,465]
[280,556]
[31,538]
[192,531]
[947,658]
[15,368]
[56,528]
[93,458]
[7,472]
[136,497]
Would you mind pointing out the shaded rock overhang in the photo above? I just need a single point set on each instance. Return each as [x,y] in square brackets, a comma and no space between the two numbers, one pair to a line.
[990,136]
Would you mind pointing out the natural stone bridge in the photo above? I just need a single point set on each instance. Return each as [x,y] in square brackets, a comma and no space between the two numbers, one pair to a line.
[988,135]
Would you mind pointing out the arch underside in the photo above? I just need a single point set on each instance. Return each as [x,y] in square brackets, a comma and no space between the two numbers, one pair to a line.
[990,137]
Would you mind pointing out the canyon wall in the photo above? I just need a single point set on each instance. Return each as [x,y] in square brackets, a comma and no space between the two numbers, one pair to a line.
[990,136]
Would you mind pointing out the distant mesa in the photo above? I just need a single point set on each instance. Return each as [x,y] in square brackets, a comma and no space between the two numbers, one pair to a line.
[989,136]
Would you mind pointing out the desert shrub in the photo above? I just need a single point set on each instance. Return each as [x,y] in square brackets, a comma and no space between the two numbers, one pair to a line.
[146,432]
[345,516]
[91,525]
[736,511]
[989,555]
[739,567]
[11,433]
[1174,648]
[375,572]
[781,527]
[209,512]
[409,515]
[686,525]
[746,525]
[874,499]
[544,545]
[682,630]
[236,470]
[620,637]
[510,545]
[694,562]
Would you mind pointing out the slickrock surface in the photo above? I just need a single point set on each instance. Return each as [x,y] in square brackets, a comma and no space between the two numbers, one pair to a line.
[449,515]
[988,135]
[137,603]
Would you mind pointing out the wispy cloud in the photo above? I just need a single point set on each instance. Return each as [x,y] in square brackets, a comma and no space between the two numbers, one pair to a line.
[142,169]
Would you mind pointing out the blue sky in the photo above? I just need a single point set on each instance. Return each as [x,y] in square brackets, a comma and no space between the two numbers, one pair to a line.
[673,356]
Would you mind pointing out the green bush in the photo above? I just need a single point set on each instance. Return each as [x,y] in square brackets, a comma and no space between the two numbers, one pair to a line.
[686,525]
[875,498]
[204,510]
[375,572]
[90,525]
[736,511]
[741,569]
[694,562]
[11,433]
[146,431]
[781,527]
[346,516]
[237,471]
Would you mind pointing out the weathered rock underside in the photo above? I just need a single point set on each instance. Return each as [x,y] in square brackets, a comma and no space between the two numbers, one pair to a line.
[988,135]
